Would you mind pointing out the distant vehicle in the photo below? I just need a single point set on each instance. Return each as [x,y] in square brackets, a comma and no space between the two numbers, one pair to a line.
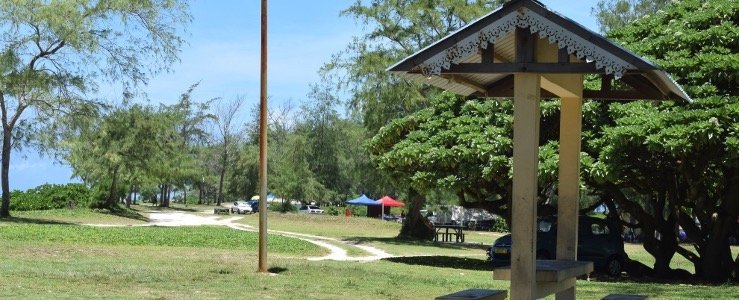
[254,205]
[310,209]
[241,207]
[598,241]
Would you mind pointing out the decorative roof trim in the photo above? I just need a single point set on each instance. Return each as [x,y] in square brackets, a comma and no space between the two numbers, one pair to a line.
[526,18]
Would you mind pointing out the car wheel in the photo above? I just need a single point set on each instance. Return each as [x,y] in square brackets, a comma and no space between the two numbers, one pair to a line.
[614,267]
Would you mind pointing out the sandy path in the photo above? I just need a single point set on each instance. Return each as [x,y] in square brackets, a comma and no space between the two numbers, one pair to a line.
[335,252]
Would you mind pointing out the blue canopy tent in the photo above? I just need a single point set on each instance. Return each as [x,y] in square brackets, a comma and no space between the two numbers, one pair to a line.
[362,200]
[365,201]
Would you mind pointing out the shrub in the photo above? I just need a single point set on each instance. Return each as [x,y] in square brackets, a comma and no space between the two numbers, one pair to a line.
[283,207]
[500,225]
[52,196]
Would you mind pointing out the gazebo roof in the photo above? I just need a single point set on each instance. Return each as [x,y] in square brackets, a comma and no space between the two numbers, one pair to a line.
[480,58]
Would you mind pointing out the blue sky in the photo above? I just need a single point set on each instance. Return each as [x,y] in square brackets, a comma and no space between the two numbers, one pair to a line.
[223,54]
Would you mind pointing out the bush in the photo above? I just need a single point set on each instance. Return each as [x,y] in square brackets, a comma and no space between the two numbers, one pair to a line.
[283,207]
[52,196]
[500,225]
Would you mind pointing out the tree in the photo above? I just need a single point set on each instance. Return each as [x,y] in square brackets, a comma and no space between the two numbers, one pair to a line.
[128,143]
[681,156]
[397,28]
[614,14]
[225,117]
[52,52]
[465,146]
[193,136]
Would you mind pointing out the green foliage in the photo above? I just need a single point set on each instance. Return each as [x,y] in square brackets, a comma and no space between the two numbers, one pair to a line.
[55,52]
[52,196]
[500,225]
[126,146]
[284,207]
[679,159]
[614,14]
[396,29]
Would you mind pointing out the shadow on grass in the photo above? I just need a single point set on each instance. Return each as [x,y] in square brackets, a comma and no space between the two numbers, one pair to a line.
[399,241]
[157,208]
[276,270]
[33,221]
[124,213]
[441,261]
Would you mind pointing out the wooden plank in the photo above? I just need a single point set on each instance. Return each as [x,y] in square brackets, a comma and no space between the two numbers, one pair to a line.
[526,114]
[549,270]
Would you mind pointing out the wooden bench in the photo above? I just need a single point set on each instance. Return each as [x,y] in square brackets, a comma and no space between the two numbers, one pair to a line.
[222,210]
[624,297]
[445,235]
[552,276]
[475,294]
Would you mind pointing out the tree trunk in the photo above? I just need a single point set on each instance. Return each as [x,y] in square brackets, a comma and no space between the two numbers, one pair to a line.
[135,194]
[220,186]
[162,199]
[415,225]
[184,194]
[200,197]
[111,201]
[5,207]
[717,253]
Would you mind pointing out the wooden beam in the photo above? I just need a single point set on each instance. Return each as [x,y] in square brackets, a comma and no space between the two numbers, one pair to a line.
[526,114]
[563,56]
[563,85]
[643,85]
[510,68]
[570,129]
[488,54]
[525,45]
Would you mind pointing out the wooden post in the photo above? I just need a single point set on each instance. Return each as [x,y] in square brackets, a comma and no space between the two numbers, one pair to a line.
[569,180]
[525,173]
[262,268]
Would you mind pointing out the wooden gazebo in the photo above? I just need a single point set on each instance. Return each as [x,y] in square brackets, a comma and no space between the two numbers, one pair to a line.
[526,51]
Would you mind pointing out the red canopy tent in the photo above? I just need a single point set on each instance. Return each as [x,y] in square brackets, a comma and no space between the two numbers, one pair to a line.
[387,201]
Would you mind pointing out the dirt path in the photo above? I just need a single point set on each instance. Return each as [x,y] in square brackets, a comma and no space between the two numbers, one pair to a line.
[335,252]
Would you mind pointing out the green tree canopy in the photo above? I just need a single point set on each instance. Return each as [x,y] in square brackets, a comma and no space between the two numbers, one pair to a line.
[54,52]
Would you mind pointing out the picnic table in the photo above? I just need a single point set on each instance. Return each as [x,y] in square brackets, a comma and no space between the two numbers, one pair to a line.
[446,231]
[552,276]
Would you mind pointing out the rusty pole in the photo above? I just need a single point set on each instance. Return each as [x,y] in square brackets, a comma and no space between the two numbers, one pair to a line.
[263,147]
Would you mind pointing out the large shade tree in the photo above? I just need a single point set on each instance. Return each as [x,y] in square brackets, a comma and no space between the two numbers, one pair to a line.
[53,52]
[681,157]
[666,164]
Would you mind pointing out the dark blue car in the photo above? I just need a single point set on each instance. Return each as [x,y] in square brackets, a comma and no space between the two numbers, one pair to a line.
[598,241]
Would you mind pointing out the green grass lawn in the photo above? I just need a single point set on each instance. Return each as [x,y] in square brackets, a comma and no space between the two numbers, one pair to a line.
[62,261]
[373,232]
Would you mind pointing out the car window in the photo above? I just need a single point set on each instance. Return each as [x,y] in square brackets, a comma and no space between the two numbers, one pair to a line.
[599,229]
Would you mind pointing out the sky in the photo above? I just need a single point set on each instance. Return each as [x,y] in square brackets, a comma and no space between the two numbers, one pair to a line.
[223,54]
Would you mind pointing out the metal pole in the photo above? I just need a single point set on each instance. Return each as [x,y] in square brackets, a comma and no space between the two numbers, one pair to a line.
[263,147]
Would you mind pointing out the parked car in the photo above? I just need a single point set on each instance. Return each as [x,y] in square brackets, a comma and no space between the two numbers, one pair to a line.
[241,207]
[310,209]
[598,241]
